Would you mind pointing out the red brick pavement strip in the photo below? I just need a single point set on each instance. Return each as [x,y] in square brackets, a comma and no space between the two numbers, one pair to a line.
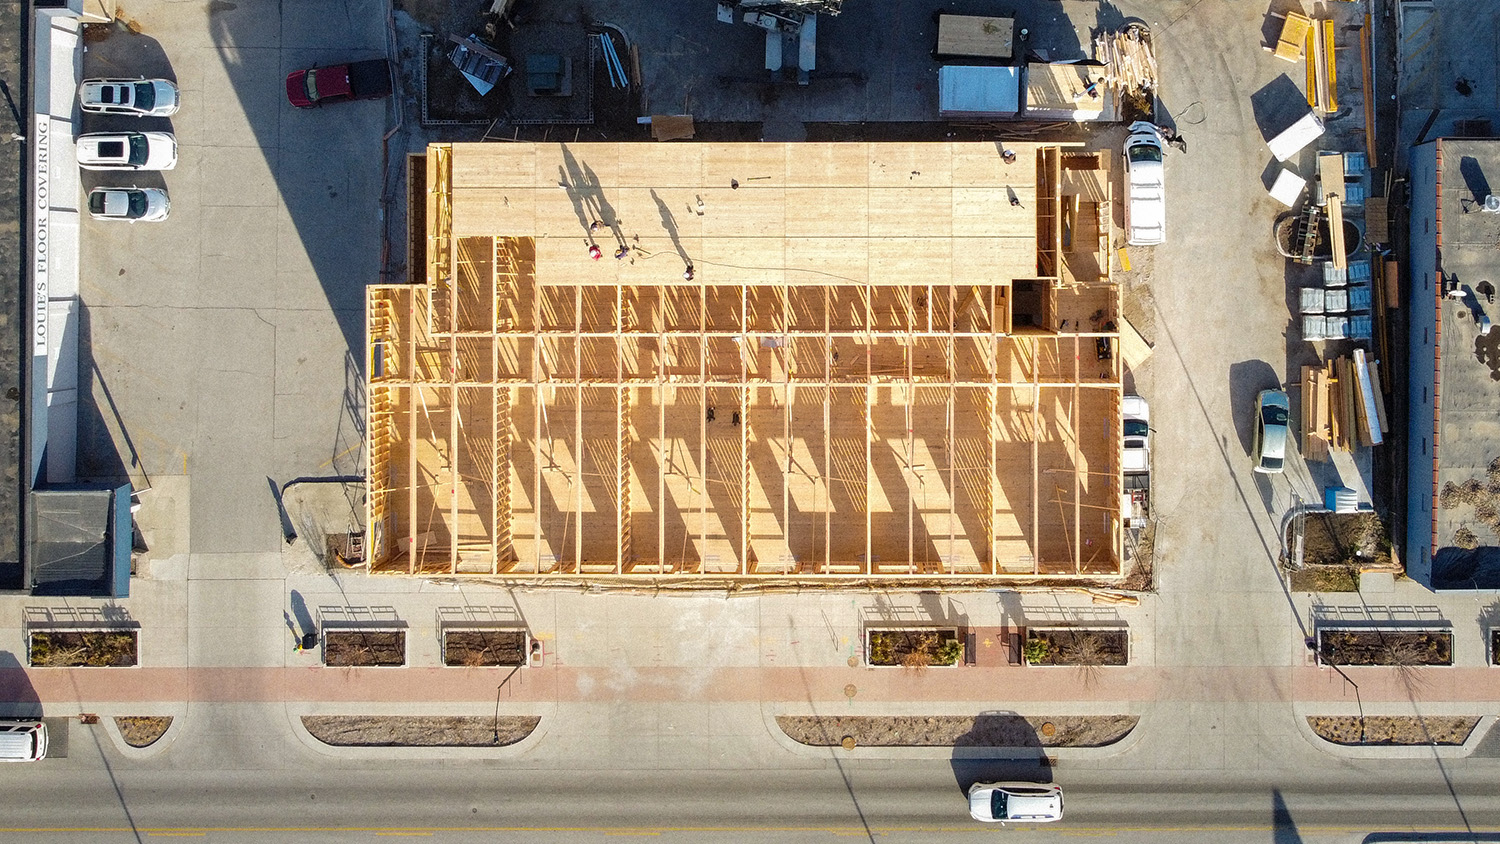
[985,686]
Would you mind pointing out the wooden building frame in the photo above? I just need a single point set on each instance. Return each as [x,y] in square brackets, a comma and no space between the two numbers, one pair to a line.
[948,409]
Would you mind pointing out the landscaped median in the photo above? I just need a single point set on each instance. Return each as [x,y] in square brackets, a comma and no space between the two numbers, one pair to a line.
[420,730]
[1393,730]
[999,730]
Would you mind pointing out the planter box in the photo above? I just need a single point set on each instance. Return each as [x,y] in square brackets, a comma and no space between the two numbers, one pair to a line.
[475,647]
[1077,647]
[364,647]
[913,647]
[1385,646]
[1495,646]
[86,648]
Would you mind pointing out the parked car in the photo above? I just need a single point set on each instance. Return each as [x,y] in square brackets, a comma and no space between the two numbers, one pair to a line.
[1024,802]
[1145,193]
[1271,413]
[127,151]
[140,97]
[22,740]
[1137,434]
[366,80]
[145,205]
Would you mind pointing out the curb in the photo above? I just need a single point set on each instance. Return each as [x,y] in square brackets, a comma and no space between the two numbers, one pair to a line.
[1387,751]
[545,711]
[155,748]
[769,711]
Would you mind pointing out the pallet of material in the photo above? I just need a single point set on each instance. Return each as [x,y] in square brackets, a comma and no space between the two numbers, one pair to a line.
[1377,221]
[1294,29]
[1315,433]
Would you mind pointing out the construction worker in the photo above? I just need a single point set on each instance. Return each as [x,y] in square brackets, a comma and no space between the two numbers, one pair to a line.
[595,252]
[622,252]
[687,274]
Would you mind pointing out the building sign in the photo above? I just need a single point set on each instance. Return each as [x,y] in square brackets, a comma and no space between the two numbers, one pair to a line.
[41,144]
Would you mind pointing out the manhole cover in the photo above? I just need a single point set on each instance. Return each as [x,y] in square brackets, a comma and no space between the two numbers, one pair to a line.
[1048,728]
[848,742]
[853,662]
[851,690]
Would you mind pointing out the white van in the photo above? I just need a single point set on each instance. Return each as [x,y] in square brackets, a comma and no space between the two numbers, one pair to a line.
[1145,189]
[22,741]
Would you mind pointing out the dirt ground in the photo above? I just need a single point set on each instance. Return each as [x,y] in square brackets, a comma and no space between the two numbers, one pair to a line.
[142,730]
[1403,730]
[1325,579]
[1345,539]
[419,730]
[957,730]
[364,647]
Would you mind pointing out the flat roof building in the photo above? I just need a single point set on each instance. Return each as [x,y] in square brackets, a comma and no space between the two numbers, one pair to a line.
[822,361]
[1453,451]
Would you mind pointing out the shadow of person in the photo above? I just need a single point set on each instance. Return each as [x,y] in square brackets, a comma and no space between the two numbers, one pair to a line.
[1001,746]
[18,699]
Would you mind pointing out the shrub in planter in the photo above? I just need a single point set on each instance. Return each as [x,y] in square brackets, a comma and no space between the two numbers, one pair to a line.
[1083,648]
[82,649]
[914,648]
[364,647]
[474,648]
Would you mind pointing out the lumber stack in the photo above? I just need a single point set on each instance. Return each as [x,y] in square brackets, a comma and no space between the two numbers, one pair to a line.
[1343,405]
[1129,63]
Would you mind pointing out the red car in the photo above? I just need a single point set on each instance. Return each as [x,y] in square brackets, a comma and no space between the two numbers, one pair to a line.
[366,80]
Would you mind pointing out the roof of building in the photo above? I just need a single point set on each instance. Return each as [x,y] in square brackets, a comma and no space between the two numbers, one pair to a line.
[1468,423]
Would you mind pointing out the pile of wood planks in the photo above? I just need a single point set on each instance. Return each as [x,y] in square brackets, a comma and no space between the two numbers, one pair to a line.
[1343,405]
[1129,63]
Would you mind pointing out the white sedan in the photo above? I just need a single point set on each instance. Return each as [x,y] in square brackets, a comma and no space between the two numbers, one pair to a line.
[127,151]
[140,97]
[1137,433]
[133,205]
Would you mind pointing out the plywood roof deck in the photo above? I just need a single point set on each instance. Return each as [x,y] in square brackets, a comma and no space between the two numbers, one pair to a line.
[843,390]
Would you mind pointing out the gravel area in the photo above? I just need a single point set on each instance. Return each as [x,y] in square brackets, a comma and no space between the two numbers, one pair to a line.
[1394,730]
[419,730]
[958,730]
[142,730]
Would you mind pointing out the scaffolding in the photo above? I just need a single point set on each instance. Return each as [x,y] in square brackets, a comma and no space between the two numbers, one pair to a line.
[757,416]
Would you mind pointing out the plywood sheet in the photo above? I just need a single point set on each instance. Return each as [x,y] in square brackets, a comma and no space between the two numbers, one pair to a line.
[973,35]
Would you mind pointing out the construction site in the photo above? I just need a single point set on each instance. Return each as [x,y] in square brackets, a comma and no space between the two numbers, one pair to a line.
[764,363]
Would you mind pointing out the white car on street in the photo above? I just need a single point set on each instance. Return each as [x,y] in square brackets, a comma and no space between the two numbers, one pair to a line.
[140,97]
[1145,189]
[127,151]
[133,205]
[1023,802]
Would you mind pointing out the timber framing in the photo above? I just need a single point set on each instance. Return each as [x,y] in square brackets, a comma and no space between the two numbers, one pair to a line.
[810,363]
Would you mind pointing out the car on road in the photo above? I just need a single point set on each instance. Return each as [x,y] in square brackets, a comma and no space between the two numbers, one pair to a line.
[140,97]
[127,151]
[22,740]
[133,205]
[366,80]
[1023,802]
[1145,188]
[1271,413]
[1137,433]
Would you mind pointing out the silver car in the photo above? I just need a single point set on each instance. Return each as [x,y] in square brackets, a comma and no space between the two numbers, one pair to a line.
[1271,413]
[133,205]
[140,97]
[1023,802]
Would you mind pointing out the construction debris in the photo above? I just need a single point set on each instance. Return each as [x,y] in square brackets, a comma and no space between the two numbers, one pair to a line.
[1129,63]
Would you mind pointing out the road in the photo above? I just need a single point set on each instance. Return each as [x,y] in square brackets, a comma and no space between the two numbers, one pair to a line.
[917,801]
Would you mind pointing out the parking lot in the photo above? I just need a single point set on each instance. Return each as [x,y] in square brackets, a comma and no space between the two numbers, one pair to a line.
[217,343]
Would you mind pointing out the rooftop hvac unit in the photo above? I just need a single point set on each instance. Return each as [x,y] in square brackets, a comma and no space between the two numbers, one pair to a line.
[1492,204]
